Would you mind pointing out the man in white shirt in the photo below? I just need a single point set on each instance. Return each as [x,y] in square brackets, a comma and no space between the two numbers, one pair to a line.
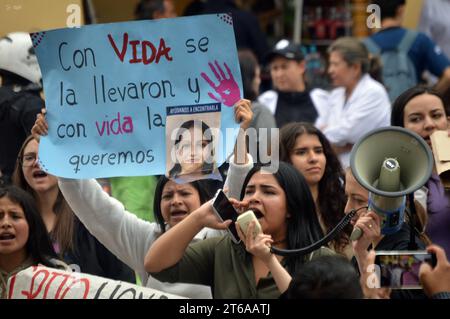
[289,101]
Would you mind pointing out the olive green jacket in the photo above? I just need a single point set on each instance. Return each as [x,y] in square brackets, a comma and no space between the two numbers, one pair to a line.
[226,267]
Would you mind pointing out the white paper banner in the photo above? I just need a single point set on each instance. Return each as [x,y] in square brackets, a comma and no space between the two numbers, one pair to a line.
[48,283]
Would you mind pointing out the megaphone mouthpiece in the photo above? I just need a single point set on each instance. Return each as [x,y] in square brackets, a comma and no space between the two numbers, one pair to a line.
[391,164]
[389,180]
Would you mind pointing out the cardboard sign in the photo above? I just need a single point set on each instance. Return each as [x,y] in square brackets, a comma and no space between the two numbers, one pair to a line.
[440,143]
[108,87]
[39,282]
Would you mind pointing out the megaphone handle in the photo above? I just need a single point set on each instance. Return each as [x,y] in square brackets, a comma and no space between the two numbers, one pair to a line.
[356,234]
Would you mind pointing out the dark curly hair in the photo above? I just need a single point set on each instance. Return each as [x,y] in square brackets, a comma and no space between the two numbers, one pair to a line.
[331,198]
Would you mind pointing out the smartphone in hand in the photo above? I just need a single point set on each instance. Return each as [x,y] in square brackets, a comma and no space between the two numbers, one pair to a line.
[400,269]
[225,210]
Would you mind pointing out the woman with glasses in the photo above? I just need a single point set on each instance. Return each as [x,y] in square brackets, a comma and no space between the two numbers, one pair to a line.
[71,240]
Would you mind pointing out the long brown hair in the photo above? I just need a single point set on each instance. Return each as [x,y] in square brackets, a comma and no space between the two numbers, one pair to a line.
[63,230]
[331,198]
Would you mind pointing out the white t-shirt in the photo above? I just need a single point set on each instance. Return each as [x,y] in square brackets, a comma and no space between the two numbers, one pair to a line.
[345,122]
[435,22]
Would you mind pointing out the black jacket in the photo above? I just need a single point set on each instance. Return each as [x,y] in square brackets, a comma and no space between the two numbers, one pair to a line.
[91,257]
[18,112]
[295,107]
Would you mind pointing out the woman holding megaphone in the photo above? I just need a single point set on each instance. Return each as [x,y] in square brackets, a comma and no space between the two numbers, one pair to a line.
[369,223]
[422,111]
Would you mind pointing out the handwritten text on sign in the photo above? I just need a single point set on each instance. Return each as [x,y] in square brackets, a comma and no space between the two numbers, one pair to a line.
[107,88]
[49,283]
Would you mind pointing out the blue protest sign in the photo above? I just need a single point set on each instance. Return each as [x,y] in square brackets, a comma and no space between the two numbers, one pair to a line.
[108,88]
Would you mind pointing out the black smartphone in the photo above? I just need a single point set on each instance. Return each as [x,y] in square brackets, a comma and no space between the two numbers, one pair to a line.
[400,269]
[224,210]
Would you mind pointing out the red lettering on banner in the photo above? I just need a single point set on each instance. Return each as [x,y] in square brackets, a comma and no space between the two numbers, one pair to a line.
[119,125]
[30,294]
[121,54]
[11,286]
[146,44]
[163,50]
[79,280]
[147,56]
[134,44]
[49,284]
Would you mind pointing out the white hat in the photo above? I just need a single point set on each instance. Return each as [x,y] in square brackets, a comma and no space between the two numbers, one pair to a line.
[17,56]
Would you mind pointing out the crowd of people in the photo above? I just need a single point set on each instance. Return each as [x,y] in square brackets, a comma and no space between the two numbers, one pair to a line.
[183,248]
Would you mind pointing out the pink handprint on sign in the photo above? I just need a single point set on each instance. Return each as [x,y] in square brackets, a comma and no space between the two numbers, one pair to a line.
[227,88]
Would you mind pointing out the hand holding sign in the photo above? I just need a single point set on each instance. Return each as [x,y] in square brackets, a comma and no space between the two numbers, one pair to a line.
[40,127]
[108,86]
[227,87]
[243,113]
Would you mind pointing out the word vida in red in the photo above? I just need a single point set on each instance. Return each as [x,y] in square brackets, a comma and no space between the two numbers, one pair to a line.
[149,52]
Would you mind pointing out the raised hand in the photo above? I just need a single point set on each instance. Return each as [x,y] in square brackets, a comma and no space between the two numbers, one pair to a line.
[40,127]
[205,216]
[370,225]
[243,113]
[437,279]
[227,88]
[240,206]
[370,280]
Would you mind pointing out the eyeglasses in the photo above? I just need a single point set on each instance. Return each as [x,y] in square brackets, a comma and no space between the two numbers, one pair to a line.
[28,160]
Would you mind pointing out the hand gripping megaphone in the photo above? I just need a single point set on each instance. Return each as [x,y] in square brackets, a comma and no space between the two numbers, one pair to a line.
[390,163]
